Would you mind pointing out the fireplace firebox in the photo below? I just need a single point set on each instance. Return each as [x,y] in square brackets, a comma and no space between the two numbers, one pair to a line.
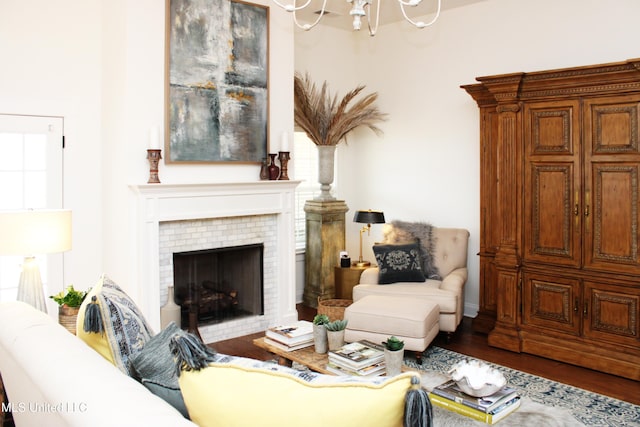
[219,285]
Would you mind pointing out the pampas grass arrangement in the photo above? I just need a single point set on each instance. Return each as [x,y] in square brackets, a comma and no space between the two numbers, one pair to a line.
[326,120]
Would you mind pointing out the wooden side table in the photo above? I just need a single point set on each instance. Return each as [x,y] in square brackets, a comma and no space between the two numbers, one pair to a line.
[345,279]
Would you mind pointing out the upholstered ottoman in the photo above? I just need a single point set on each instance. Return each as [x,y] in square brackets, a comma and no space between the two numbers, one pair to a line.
[376,318]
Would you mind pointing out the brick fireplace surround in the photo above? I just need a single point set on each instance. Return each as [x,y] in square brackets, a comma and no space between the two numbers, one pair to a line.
[178,217]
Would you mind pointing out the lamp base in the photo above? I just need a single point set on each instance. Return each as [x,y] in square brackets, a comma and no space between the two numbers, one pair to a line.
[30,285]
[361,264]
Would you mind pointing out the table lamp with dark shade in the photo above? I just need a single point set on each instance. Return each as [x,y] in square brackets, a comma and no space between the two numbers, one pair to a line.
[366,217]
[30,233]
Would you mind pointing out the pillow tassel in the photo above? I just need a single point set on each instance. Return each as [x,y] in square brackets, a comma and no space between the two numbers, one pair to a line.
[190,353]
[417,406]
[92,317]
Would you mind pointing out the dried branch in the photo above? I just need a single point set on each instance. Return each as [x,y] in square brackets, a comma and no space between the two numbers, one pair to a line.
[328,122]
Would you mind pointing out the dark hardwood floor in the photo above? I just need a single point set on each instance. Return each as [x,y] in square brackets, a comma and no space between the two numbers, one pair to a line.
[473,344]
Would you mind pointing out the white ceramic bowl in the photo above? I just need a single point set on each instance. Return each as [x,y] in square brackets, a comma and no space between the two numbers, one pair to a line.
[476,378]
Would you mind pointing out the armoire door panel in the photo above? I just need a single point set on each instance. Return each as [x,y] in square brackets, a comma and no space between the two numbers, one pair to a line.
[612,125]
[550,214]
[612,220]
[551,145]
[612,313]
[552,302]
[550,127]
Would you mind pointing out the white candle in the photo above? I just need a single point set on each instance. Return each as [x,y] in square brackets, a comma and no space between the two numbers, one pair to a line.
[285,142]
[154,138]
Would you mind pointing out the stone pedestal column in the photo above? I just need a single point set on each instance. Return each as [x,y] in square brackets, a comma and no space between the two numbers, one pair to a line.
[325,221]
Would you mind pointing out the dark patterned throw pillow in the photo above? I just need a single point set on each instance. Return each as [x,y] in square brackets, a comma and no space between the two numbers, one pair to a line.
[420,232]
[398,263]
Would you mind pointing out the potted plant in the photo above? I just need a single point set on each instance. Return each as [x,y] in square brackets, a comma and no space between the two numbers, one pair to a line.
[335,333]
[327,121]
[69,302]
[320,332]
[393,355]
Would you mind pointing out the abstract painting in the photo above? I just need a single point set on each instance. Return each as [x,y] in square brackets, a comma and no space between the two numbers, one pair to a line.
[217,81]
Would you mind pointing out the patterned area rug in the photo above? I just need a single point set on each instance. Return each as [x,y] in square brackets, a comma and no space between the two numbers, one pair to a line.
[544,403]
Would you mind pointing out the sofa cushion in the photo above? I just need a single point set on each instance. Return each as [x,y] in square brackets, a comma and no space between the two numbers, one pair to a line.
[420,232]
[399,263]
[227,395]
[155,368]
[429,291]
[124,329]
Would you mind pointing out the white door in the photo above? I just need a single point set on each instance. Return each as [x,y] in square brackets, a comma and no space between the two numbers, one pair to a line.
[31,165]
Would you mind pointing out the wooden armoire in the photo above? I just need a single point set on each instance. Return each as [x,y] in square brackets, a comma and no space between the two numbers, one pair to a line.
[560,199]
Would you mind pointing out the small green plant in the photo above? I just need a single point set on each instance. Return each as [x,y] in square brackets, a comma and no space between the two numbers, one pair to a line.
[336,325]
[320,319]
[69,297]
[393,344]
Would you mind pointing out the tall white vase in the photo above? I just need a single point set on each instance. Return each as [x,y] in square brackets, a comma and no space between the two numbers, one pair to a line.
[320,338]
[326,159]
[170,312]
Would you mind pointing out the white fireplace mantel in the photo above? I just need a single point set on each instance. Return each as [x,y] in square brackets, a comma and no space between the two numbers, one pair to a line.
[155,203]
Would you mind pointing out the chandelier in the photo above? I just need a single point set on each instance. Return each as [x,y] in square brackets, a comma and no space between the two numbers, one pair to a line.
[359,9]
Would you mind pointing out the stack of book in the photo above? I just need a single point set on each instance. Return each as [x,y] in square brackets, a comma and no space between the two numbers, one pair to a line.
[361,358]
[290,337]
[488,409]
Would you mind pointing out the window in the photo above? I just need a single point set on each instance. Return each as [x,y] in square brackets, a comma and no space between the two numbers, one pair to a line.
[30,177]
[305,170]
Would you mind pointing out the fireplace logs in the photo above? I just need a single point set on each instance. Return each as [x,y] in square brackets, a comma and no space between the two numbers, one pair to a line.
[207,302]
[216,303]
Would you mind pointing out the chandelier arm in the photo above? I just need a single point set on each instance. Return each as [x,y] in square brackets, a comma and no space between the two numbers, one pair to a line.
[419,24]
[358,11]
[372,32]
[307,27]
[292,7]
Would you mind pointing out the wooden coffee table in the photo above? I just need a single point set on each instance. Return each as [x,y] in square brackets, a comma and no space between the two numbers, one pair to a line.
[306,356]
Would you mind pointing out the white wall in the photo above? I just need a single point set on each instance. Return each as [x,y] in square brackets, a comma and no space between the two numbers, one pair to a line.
[426,166]
[100,65]
[51,66]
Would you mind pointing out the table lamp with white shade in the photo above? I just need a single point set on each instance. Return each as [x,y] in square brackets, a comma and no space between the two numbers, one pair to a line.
[30,233]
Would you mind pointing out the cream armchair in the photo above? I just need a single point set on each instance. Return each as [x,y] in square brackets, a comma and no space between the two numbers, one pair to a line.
[449,247]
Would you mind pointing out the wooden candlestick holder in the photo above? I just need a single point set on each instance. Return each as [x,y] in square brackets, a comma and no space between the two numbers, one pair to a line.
[154,156]
[283,156]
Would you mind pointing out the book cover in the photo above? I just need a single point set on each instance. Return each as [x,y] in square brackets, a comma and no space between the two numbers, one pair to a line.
[358,354]
[451,391]
[287,347]
[355,366]
[370,371]
[488,418]
[295,333]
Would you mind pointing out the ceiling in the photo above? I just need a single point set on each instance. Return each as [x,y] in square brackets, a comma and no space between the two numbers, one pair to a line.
[389,11]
